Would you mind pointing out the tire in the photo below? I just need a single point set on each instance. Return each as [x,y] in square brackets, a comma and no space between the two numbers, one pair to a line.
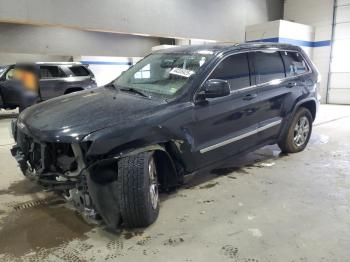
[297,137]
[136,181]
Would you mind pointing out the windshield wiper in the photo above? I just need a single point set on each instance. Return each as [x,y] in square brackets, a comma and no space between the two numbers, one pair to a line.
[133,90]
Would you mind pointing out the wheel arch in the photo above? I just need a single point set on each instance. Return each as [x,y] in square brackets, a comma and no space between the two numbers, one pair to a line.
[166,164]
[311,105]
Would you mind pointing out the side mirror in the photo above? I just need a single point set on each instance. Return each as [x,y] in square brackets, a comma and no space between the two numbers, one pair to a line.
[214,88]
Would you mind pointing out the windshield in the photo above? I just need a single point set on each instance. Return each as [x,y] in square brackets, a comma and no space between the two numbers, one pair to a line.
[162,74]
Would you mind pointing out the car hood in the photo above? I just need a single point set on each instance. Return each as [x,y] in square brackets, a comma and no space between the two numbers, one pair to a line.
[71,117]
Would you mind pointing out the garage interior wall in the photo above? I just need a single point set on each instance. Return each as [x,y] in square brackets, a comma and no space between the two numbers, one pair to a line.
[223,20]
[319,14]
[339,82]
[10,58]
[114,31]
[45,40]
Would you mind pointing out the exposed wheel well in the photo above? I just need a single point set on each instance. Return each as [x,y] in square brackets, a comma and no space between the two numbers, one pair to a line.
[311,106]
[106,172]
[167,173]
[73,89]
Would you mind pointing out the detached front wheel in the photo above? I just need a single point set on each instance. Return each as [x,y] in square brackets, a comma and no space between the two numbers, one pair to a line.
[138,189]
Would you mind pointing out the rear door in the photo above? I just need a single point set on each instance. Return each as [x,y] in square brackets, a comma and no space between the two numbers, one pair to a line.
[277,92]
[226,126]
[52,81]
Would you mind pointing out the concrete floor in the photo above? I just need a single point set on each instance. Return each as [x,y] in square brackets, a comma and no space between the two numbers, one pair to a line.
[260,207]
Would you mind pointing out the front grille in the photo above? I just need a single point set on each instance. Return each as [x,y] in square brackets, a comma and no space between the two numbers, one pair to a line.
[47,157]
[30,149]
[22,141]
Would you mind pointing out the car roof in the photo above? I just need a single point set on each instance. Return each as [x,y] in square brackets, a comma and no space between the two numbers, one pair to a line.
[218,48]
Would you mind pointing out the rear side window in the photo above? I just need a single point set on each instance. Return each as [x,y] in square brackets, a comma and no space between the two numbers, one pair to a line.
[51,72]
[79,71]
[234,69]
[294,63]
[268,66]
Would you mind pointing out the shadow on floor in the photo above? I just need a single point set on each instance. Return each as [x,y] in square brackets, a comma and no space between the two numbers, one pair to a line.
[233,165]
[31,225]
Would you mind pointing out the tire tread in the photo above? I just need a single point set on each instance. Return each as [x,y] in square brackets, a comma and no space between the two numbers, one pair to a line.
[133,194]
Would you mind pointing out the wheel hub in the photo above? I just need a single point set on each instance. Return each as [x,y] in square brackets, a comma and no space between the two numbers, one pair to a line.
[301,131]
[153,188]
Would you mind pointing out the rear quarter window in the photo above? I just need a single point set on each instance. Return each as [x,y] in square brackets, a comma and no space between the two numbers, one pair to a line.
[51,72]
[79,71]
[294,63]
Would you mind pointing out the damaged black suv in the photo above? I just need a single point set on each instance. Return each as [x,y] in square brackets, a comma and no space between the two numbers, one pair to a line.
[110,150]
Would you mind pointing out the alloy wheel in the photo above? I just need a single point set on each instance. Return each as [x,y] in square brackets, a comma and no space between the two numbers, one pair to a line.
[153,188]
[301,131]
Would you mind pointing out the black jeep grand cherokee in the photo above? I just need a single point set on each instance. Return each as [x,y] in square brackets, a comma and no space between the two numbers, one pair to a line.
[177,111]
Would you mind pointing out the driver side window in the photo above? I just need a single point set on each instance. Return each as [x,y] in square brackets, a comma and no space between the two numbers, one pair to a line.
[235,70]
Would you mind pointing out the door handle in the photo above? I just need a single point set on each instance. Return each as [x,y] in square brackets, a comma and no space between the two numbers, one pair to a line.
[250,97]
[291,85]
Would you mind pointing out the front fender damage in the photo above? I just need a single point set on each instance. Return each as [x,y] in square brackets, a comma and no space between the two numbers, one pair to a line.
[105,200]
[103,188]
[90,184]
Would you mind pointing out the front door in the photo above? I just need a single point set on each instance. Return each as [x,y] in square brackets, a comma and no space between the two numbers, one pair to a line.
[226,126]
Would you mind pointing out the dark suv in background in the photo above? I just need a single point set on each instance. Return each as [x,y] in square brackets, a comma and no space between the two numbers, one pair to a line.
[54,79]
[175,112]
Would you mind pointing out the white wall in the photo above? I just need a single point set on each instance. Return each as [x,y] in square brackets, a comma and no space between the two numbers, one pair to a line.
[223,20]
[29,39]
[298,34]
[339,84]
[283,32]
[262,31]
[106,68]
[319,14]
[12,58]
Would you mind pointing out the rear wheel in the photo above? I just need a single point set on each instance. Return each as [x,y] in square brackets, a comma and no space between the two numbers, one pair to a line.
[298,133]
[138,189]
